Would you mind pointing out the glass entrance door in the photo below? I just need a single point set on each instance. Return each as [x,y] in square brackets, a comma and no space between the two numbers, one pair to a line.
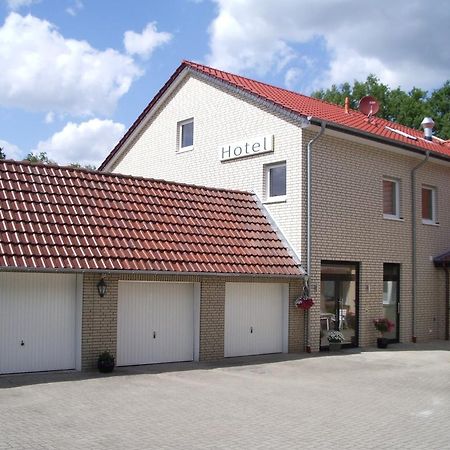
[339,302]
[391,298]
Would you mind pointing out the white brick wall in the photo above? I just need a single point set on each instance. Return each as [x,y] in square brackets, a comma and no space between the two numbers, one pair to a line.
[219,118]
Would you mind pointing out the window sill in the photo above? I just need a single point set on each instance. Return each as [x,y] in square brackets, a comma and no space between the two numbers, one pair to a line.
[430,222]
[281,199]
[185,149]
[393,218]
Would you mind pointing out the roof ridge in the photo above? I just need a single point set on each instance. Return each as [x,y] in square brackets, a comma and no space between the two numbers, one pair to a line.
[193,64]
[199,66]
[122,176]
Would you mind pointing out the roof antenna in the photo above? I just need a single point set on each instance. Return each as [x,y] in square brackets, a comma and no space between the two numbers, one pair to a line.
[369,106]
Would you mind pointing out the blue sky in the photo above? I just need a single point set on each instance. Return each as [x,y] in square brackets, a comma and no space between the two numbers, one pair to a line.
[77,73]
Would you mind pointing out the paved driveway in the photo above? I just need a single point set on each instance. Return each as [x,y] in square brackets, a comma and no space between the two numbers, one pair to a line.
[397,399]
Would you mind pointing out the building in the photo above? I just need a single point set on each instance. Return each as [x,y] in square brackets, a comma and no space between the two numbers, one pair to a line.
[367,224]
[151,271]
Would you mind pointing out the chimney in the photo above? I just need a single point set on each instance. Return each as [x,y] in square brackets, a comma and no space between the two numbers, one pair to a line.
[427,125]
[346,104]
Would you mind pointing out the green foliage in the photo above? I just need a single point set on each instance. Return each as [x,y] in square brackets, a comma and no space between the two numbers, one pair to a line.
[83,166]
[407,108]
[38,158]
[2,153]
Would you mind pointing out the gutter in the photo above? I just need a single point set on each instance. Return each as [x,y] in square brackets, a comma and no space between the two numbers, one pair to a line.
[309,225]
[414,246]
[383,140]
[309,198]
[447,302]
[144,272]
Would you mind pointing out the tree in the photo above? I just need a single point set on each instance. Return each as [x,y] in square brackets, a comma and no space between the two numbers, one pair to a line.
[396,105]
[38,158]
[2,153]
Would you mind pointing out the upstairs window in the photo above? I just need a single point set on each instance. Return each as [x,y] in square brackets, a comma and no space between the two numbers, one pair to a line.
[186,135]
[276,182]
[391,198]
[429,205]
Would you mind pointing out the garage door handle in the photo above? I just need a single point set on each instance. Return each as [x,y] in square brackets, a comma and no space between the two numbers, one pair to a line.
[251,329]
[154,335]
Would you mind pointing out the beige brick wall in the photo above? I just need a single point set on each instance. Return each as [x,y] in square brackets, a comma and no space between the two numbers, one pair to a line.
[348,225]
[99,320]
[348,222]
[99,317]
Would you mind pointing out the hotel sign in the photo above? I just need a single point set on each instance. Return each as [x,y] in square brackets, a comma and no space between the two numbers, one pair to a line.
[247,148]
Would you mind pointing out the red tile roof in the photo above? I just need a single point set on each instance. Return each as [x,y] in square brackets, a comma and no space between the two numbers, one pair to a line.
[353,121]
[64,218]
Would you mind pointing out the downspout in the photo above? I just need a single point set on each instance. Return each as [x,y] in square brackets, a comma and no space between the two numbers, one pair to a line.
[447,302]
[414,248]
[308,221]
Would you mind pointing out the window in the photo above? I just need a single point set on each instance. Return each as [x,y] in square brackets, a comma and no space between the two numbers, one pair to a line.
[186,135]
[428,204]
[276,182]
[391,199]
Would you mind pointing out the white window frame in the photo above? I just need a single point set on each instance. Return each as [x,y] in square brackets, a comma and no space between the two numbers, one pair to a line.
[396,182]
[180,125]
[267,168]
[433,220]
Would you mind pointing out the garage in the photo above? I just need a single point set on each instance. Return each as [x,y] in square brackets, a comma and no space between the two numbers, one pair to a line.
[37,322]
[256,318]
[156,322]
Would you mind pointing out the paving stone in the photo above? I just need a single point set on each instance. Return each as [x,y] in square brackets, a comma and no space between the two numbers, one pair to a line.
[396,399]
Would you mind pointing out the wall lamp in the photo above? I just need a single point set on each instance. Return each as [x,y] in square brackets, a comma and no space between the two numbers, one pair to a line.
[101,287]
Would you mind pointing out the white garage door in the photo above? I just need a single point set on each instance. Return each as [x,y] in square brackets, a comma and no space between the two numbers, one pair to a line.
[155,322]
[37,322]
[255,318]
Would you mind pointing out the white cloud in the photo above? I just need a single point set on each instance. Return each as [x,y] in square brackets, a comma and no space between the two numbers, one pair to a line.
[403,44]
[43,71]
[75,8]
[145,43]
[11,151]
[85,143]
[17,4]
[292,77]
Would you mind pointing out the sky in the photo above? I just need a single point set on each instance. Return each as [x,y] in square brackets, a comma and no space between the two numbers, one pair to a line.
[75,74]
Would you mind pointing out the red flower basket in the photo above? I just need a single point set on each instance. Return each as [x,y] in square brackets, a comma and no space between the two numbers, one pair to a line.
[304,303]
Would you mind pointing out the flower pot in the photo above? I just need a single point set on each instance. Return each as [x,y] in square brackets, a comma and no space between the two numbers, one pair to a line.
[335,346]
[382,342]
[105,366]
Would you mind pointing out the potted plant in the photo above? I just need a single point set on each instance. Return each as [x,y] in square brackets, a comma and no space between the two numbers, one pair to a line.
[383,325]
[304,303]
[335,339]
[105,362]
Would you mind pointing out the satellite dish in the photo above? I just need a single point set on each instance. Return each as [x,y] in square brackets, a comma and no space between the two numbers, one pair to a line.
[369,106]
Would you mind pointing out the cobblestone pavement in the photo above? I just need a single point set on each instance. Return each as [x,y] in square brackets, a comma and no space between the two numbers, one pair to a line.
[396,399]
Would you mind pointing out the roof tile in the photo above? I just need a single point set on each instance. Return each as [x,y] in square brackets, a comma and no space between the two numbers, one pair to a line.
[65,218]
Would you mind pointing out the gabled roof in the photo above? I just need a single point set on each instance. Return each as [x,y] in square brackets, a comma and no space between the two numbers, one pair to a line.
[64,218]
[293,102]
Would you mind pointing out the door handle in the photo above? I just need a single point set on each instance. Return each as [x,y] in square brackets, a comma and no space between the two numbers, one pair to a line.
[22,343]
[154,335]
[251,329]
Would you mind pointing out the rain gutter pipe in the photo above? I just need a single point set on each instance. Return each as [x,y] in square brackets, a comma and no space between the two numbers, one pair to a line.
[309,197]
[308,223]
[414,246]
[447,302]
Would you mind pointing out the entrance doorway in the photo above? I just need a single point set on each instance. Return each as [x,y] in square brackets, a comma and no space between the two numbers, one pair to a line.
[339,302]
[391,299]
